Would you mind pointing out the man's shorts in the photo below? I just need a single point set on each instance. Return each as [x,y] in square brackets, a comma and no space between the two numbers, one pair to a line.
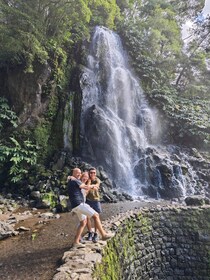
[83,210]
[96,205]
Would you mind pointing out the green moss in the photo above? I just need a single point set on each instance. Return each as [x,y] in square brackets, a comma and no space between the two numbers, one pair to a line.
[49,199]
[122,251]
[146,224]
[110,269]
[58,63]
[41,135]
[119,250]
[48,133]
[52,107]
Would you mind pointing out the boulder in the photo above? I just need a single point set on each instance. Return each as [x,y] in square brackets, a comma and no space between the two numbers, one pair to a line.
[6,230]
[195,200]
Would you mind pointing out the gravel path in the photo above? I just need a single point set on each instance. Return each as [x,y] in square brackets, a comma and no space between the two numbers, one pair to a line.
[37,253]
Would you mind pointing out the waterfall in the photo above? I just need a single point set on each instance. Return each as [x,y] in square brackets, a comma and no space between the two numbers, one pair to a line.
[122,116]
[120,131]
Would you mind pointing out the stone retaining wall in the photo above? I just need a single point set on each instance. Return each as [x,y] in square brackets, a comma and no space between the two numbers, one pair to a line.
[171,243]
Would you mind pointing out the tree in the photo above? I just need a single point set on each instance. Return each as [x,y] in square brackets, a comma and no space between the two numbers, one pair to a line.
[29,28]
[194,69]
[104,12]
[153,38]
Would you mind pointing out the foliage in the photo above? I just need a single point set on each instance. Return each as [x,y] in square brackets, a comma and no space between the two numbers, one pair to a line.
[15,156]
[58,59]
[152,35]
[18,158]
[20,38]
[186,9]
[54,31]
[194,68]
[7,116]
[104,12]
[28,28]
[42,134]
[33,30]
[190,118]
[118,253]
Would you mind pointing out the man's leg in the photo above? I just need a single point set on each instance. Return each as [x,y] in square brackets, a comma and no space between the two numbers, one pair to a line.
[98,224]
[79,231]
[89,225]
[97,208]
[86,210]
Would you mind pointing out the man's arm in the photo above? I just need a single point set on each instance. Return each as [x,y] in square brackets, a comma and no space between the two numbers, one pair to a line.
[85,187]
[71,178]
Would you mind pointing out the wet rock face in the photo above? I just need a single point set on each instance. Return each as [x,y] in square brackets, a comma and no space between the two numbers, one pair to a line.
[172,172]
[167,172]
[100,141]
[25,91]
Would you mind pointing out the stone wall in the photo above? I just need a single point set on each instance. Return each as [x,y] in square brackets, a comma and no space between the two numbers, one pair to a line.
[170,243]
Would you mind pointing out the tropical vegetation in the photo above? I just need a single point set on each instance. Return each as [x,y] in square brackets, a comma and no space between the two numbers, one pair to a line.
[174,74]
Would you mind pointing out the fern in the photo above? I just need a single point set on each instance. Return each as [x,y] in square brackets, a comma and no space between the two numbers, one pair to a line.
[7,116]
[19,158]
[16,156]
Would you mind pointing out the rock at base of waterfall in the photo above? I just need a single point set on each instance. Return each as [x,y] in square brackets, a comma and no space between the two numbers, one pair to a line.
[196,200]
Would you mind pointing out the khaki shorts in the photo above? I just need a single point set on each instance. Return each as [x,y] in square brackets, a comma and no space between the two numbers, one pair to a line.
[83,210]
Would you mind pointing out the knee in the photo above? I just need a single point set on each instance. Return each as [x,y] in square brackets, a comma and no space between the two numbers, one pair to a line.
[83,223]
[96,216]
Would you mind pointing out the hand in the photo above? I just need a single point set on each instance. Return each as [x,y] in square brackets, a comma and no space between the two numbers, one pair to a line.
[70,178]
[90,187]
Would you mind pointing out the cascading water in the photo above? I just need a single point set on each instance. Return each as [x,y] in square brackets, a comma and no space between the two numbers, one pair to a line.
[117,124]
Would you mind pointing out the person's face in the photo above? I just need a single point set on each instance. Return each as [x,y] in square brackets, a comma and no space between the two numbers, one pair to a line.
[92,174]
[84,178]
[77,173]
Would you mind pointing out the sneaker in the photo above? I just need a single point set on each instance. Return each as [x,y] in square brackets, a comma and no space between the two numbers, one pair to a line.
[90,236]
[95,238]
[107,236]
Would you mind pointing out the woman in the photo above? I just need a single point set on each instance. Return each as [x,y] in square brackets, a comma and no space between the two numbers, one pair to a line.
[93,199]
[85,180]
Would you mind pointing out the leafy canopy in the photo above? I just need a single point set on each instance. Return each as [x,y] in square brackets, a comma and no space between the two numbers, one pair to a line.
[152,35]
[28,27]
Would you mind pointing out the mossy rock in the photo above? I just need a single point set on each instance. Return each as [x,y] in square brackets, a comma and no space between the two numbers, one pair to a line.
[63,204]
[49,199]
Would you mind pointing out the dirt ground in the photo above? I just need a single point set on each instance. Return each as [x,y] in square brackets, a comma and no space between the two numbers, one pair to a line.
[37,253]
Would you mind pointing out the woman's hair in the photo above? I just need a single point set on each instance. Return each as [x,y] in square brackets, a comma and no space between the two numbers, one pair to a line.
[83,174]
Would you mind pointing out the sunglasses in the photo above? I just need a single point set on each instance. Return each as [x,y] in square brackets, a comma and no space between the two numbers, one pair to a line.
[92,172]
